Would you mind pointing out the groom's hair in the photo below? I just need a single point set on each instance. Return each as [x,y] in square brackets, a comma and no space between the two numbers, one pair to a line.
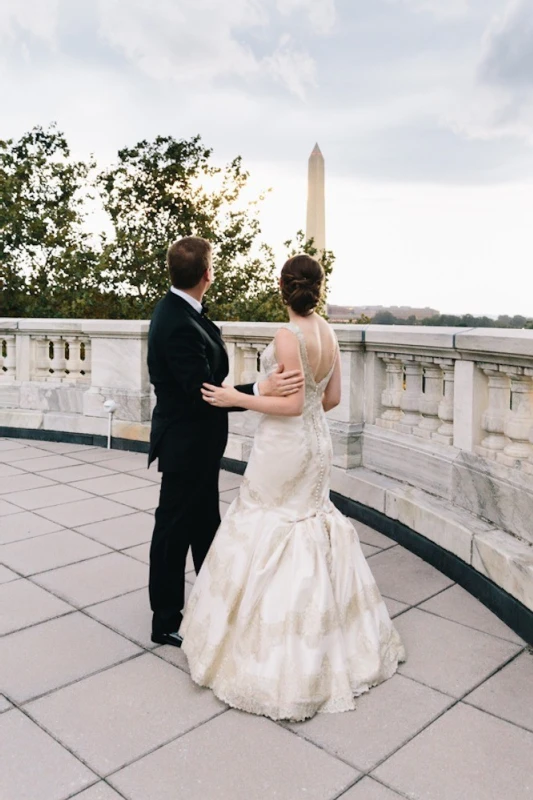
[188,259]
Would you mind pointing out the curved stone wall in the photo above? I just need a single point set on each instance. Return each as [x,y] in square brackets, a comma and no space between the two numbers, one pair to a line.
[434,434]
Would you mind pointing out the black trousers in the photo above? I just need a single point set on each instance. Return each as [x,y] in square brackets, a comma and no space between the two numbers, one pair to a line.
[188,515]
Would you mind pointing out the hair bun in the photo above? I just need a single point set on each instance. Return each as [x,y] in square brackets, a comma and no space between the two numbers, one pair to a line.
[302,280]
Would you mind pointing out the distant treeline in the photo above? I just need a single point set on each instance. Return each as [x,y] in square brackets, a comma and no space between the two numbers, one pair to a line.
[442,320]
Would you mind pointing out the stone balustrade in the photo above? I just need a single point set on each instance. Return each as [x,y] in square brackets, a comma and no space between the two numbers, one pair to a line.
[434,431]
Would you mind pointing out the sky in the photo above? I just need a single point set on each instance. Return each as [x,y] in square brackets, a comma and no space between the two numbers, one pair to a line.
[423,110]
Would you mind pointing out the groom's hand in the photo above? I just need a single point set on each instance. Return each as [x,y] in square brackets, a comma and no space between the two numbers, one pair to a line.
[281,384]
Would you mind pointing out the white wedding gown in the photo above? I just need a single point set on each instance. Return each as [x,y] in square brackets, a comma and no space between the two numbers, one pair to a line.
[285,618]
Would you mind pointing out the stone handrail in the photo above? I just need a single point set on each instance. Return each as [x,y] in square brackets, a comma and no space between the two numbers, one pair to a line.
[435,427]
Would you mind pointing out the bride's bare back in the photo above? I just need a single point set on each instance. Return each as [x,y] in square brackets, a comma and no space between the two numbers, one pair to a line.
[320,342]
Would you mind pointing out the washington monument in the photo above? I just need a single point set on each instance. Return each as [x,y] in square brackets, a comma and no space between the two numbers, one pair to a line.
[316,204]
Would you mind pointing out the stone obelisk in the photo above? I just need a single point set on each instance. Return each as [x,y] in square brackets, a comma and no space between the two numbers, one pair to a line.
[316,202]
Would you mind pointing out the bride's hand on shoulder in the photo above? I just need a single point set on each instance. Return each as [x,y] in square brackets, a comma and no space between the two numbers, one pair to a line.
[220,396]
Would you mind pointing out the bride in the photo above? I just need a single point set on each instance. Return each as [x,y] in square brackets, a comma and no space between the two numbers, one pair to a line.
[285,618]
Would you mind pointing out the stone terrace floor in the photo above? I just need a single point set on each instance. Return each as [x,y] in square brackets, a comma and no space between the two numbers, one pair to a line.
[92,710]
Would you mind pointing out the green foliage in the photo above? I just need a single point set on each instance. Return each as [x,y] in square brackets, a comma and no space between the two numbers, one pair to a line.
[47,263]
[156,192]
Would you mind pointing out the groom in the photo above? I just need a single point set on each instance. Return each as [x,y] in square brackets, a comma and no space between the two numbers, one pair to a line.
[188,436]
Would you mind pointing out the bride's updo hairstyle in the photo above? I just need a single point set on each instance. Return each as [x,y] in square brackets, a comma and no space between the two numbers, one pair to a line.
[302,282]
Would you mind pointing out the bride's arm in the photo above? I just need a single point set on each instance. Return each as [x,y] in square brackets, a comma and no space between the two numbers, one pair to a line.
[288,353]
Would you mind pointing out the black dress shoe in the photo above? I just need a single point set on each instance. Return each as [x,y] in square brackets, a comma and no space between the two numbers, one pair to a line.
[168,638]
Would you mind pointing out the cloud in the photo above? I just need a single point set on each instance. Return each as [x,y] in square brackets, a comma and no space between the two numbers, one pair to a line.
[442,9]
[36,17]
[321,13]
[199,42]
[292,67]
[508,56]
[497,102]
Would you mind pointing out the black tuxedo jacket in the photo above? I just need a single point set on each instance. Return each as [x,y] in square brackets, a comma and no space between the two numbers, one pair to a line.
[185,350]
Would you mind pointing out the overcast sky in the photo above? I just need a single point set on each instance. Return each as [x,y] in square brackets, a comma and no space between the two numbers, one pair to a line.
[423,110]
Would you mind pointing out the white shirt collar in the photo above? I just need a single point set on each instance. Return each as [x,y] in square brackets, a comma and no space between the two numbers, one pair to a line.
[187,297]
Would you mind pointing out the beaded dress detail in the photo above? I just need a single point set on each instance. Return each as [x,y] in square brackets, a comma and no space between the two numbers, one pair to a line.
[285,618]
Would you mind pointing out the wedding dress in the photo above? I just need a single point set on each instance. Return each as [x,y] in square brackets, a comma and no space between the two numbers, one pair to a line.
[285,618]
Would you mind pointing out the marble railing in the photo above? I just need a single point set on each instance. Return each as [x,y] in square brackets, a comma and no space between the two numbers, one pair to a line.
[435,427]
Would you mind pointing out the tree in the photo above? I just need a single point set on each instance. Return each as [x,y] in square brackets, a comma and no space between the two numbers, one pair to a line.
[162,190]
[47,262]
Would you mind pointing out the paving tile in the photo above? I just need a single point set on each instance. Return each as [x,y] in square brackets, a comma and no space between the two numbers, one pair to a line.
[395,607]
[6,471]
[47,656]
[372,537]
[24,525]
[142,499]
[457,604]
[45,462]
[124,712]
[72,515]
[61,447]
[368,789]
[147,474]
[229,480]
[385,718]
[55,495]
[22,482]
[22,454]
[129,614]
[8,508]
[100,454]
[449,656]
[126,462]
[369,550]
[9,444]
[101,791]
[121,532]
[289,768]
[223,509]
[79,473]
[174,655]
[6,575]
[22,603]
[116,482]
[5,705]
[464,754]
[403,576]
[141,552]
[229,495]
[95,580]
[34,765]
[508,694]
[48,552]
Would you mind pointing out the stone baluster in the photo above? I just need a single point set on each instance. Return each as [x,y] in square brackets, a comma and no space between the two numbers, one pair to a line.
[391,396]
[493,419]
[249,358]
[430,399]
[59,361]
[8,357]
[85,359]
[72,359]
[43,362]
[412,396]
[520,418]
[444,433]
